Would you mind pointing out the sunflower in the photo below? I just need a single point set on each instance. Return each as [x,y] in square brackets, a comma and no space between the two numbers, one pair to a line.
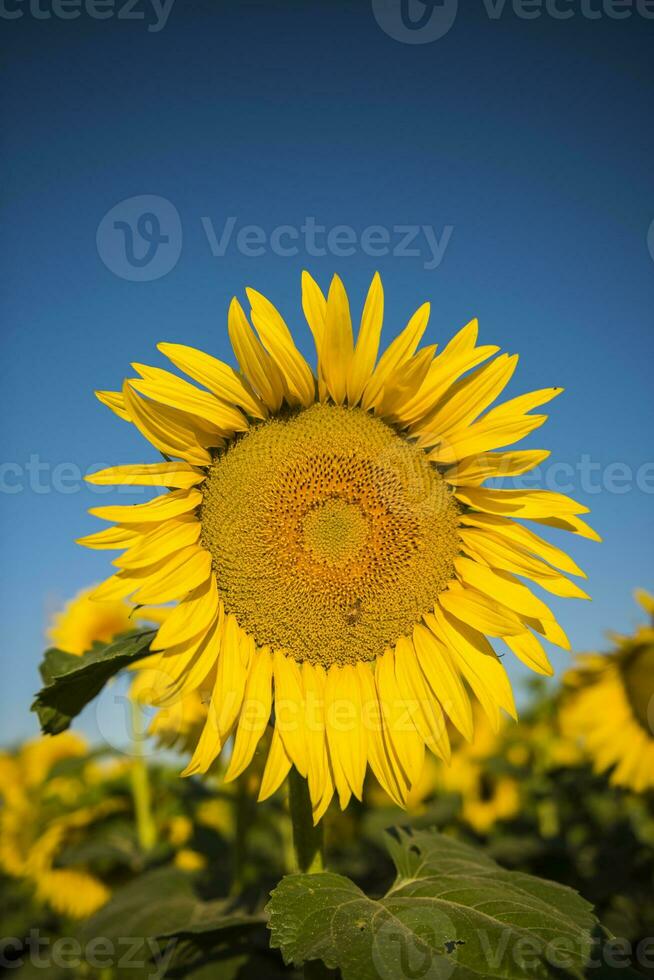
[83,622]
[334,555]
[488,793]
[609,706]
[40,817]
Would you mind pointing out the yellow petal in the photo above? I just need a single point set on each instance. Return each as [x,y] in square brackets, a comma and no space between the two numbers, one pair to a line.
[529,649]
[548,627]
[111,538]
[468,398]
[313,683]
[177,475]
[189,569]
[337,344]
[430,721]
[277,768]
[529,504]
[190,617]
[236,652]
[479,665]
[277,339]
[570,522]
[320,807]
[254,713]
[486,434]
[207,749]
[441,673]
[346,735]
[367,345]
[117,587]
[115,401]
[167,538]
[215,375]
[496,552]
[162,508]
[314,305]
[403,383]
[171,432]
[399,351]
[399,729]
[525,403]
[511,532]
[500,586]
[289,709]
[255,363]
[473,470]
[389,775]
[167,389]
[452,362]
[485,614]
[189,665]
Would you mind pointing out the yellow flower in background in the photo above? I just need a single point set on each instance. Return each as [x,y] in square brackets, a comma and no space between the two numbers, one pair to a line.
[83,622]
[329,542]
[486,794]
[609,706]
[34,830]
[178,725]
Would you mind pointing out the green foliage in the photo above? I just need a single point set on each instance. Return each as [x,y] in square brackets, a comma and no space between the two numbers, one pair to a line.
[469,902]
[451,912]
[71,681]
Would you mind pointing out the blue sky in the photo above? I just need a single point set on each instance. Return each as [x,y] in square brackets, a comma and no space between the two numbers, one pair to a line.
[516,151]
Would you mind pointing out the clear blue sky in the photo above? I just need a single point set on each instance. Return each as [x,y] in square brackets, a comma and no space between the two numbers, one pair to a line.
[530,140]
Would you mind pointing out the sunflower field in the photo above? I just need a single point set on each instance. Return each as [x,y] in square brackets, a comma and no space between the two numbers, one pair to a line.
[327,773]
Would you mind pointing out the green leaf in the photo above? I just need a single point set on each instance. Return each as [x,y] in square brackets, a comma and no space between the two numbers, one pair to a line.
[70,682]
[214,917]
[452,912]
[167,923]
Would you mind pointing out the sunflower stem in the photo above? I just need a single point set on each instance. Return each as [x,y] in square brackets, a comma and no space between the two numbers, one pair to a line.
[146,829]
[308,841]
[244,812]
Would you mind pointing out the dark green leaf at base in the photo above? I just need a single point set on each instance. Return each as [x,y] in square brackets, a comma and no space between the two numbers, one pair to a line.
[452,912]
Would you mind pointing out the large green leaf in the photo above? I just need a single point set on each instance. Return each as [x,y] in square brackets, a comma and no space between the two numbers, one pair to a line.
[70,682]
[452,912]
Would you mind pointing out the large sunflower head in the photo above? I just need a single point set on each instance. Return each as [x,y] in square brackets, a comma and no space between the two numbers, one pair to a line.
[336,560]
[608,706]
